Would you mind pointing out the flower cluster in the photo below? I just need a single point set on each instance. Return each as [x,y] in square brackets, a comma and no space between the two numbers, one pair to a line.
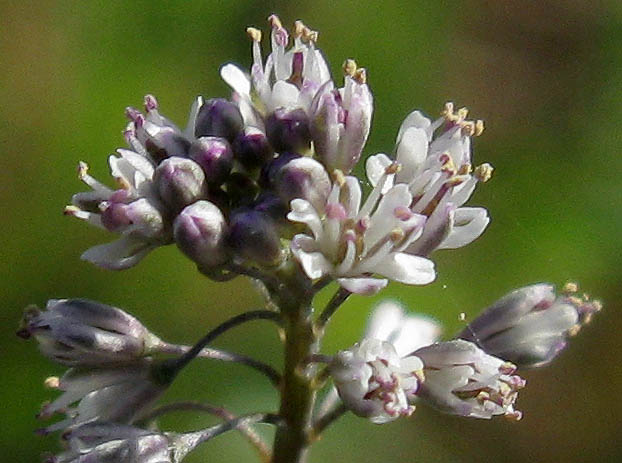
[262,184]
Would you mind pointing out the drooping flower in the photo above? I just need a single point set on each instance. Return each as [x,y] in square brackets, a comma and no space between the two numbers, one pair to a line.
[114,443]
[292,98]
[530,326]
[80,332]
[351,242]
[435,160]
[374,382]
[119,394]
[462,379]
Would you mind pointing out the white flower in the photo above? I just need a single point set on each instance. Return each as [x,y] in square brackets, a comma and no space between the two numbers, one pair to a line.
[462,379]
[373,381]
[435,160]
[389,322]
[117,394]
[114,443]
[298,79]
[351,242]
[530,326]
[134,210]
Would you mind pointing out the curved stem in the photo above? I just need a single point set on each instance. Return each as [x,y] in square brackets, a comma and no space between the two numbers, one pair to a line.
[245,429]
[338,298]
[225,356]
[174,366]
[327,419]
[322,283]
[186,443]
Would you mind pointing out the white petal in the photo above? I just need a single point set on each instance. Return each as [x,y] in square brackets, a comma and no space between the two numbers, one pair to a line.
[375,167]
[303,212]
[406,268]
[469,224]
[384,320]
[117,255]
[313,261]
[416,332]
[236,79]
[364,286]
[412,150]
[415,119]
[284,95]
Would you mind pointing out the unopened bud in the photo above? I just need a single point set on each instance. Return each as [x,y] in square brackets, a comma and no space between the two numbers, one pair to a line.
[200,231]
[303,178]
[180,182]
[219,118]
[252,150]
[288,130]
[254,235]
[214,155]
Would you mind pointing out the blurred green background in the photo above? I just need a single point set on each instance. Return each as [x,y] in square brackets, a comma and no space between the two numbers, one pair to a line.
[545,76]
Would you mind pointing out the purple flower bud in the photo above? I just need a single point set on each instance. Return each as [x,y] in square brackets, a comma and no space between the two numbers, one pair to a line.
[252,150]
[530,326]
[219,118]
[272,205]
[303,178]
[200,231]
[253,235]
[270,170]
[138,218]
[288,130]
[214,155]
[79,332]
[180,182]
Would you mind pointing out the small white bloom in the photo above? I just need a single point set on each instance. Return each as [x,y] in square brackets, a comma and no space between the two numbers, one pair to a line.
[114,443]
[117,394]
[530,326]
[374,382]
[462,379]
[435,160]
[352,242]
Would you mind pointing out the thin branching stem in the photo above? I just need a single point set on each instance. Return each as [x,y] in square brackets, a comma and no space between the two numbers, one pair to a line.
[327,419]
[217,354]
[338,298]
[177,364]
[245,429]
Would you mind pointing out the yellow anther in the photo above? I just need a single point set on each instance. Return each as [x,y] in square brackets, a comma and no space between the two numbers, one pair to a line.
[349,67]
[597,305]
[479,127]
[254,34]
[275,21]
[397,235]
[463,113]
[419,374]
[83,169]
[53,382]
[393,168]
[570,288]
[483,172]
[448,165]
[573,331]
[514,416]
[299,28]
[587,318]
[465,169]
[448,110]
[71,210]
[339,178]
[309,35]
[574,300]
[360,76]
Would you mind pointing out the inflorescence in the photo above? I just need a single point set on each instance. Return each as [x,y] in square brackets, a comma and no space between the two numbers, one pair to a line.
[262,185]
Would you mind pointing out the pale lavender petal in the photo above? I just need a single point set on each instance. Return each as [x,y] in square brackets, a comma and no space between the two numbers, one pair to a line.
[469,224]
[363,286]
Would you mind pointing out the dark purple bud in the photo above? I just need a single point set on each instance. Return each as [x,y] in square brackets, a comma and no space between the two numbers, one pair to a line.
[271,205]
[180,182]
[200,231]
[252,150]
[214,155]
[303,178]
[288,130]
[270,170]
[241,189]
[219,118]
[253,235]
